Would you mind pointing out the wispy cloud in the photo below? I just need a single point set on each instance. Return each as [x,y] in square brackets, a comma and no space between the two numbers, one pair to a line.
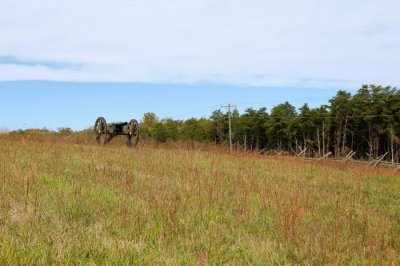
[10,60]
[332,43]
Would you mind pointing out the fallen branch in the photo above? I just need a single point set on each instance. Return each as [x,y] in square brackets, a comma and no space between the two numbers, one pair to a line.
[325,156]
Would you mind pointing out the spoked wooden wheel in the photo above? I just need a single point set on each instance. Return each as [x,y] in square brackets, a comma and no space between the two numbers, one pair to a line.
[100,128]
[133,136]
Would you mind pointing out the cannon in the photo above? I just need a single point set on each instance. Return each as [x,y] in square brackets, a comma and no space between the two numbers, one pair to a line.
[105,132]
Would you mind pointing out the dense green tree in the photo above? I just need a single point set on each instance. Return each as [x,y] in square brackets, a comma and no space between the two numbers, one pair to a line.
[367,122]
[171,128]
[281,126]
[194,130]
[160,133]
[148,125]
[340,107]
[219,129]
[254,122]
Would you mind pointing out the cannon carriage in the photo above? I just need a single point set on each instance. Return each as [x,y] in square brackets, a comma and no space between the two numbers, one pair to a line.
[105,132]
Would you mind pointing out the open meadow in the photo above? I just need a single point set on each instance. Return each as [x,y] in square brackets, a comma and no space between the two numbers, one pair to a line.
[66,202]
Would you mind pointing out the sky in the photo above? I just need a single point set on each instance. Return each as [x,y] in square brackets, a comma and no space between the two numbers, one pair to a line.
[63,63]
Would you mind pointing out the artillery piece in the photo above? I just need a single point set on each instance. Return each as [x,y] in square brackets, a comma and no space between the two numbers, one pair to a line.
[105,132]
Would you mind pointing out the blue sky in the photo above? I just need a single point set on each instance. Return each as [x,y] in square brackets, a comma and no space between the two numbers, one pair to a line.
[180,58]
[26,104]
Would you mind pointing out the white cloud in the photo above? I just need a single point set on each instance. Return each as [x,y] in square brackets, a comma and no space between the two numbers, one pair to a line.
[258,43]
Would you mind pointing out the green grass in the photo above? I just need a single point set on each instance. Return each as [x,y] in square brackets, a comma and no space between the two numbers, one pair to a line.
[83,204]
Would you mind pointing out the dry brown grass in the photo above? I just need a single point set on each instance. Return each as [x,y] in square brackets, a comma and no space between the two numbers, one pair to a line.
[68,201]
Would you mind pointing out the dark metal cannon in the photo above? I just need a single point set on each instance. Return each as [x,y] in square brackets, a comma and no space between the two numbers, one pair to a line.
[105,132]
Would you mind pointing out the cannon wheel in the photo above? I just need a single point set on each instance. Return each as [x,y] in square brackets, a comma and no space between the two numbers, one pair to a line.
[100,128]
[133,136]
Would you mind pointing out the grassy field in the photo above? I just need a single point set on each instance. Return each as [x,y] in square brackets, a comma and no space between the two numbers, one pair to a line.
[65,203]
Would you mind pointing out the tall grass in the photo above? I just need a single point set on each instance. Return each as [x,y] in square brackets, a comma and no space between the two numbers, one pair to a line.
[65,201]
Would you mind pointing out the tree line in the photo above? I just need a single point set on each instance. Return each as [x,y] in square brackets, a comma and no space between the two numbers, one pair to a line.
[367,122]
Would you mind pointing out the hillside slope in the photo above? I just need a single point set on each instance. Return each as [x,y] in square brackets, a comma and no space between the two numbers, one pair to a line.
[74,204]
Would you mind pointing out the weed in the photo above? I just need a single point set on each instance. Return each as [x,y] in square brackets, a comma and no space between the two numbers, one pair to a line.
[66,201]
